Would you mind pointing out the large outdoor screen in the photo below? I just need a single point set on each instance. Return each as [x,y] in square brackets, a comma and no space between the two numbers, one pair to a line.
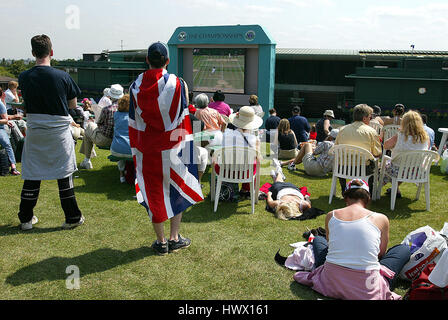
[218,69]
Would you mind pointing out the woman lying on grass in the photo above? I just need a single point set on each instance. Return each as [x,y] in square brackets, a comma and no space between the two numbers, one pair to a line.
[285,199]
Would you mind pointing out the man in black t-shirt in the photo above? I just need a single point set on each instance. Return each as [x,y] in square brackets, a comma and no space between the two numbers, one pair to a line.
[48,152]
[271,124]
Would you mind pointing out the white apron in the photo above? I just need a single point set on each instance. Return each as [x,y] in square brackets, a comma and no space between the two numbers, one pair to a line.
[49,149]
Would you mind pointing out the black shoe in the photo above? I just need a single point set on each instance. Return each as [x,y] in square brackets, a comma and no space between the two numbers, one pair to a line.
[160,248]
[181,243]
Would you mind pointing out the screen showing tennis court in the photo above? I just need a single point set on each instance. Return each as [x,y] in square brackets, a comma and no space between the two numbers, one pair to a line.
[218,69]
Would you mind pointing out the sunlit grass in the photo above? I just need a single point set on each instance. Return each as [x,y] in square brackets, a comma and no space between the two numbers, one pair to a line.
[231,256]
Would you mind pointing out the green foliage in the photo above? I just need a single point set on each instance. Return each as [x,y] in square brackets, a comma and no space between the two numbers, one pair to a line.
[5,72]
[18,66]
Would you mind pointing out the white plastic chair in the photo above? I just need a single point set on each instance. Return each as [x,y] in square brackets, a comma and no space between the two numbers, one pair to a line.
[388,131]
[377,126]
[350,162]
[414,167]
[236,165]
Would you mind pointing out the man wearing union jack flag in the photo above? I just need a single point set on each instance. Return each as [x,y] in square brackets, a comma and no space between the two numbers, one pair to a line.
[161,139]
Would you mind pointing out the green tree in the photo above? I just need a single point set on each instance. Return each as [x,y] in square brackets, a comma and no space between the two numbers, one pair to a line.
[17,67]
[5,72]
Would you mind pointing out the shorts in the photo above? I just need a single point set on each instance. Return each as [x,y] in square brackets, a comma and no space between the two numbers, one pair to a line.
[277,186]
[311,166]
[287,154]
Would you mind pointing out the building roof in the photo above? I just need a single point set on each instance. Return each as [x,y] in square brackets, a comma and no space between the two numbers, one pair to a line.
[300,51]
[307,53]
[4,79]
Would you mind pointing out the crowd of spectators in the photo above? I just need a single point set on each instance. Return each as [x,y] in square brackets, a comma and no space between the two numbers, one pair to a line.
[106,124]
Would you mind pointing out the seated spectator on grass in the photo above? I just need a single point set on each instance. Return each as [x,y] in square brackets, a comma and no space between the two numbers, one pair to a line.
[87,111]
[430,132]
[4,138]
[299,125]
[253,103]
[412,136]
[352,262]
[376,115]
[11,96]
[102,132]
[14,116]
[105,99]
[245,122]
[271,124]
[121,146]
[219,105]
[286,141]
[317,161]
[76,129]
[323,126]
[360,134]
[397,113]
[313,133]
[212,119]
[191,108]
[285,199]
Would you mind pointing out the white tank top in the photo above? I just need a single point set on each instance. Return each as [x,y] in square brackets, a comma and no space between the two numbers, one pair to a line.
[354,244]
[407,145]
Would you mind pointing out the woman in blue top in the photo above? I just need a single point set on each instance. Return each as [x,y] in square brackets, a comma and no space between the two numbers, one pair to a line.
[120,146]
[4,138]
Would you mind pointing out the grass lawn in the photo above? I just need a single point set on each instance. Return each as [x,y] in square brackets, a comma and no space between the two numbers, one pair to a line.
[231,256]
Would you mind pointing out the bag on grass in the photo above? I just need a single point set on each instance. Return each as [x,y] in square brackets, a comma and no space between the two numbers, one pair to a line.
[229,192]
[423,289]
[425,244]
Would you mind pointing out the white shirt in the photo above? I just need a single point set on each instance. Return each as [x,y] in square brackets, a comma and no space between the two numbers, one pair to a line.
[407,145]
[104,102]
[289,192]
[236,138]
[9,97]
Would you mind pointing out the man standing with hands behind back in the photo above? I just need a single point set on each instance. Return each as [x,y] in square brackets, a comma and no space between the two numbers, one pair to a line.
[48,152]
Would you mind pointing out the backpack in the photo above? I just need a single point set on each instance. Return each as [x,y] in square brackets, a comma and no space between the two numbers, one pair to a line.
[423,289]
[229,192]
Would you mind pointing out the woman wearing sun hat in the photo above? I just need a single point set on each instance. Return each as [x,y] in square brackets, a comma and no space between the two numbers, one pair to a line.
[352,262]
[245,121]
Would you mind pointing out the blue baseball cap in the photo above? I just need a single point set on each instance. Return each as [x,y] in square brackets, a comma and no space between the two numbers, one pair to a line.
[158,49]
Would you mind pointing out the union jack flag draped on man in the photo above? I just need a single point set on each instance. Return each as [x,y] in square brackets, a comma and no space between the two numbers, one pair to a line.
[162,144]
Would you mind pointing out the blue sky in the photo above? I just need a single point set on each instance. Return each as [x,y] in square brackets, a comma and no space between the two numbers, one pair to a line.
[325,24]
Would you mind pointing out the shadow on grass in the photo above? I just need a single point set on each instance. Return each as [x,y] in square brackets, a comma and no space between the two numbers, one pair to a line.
[203,211]
[10,230]
[435,170]
[54,268]
[105,181]
[301,173]
[305,292]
